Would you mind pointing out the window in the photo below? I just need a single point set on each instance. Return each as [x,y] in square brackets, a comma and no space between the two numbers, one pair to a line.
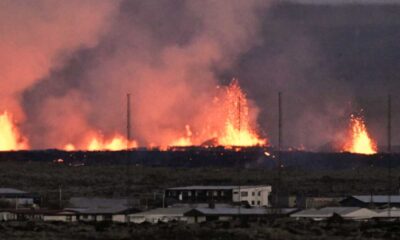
[215,193]
[258,203]
[222,193]
[189,193]
[259,193]
[252,202]
[235,192]
[244,194]
[253,193]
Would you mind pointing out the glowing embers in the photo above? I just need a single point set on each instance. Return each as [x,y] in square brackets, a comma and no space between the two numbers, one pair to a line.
[358,139]
[237,129]
[10,137]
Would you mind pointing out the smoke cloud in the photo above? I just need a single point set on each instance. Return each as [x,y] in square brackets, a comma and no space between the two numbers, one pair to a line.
[67,66]
[166,53]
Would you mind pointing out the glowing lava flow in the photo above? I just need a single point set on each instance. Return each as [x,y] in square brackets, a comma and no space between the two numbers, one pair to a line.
[184,141]
[238,131]
[359,140]
[98,143]
[10,138]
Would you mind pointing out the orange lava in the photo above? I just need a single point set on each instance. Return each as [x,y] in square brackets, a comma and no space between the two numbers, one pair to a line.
[10,137]
[358,139]
[237,130]
[99,143]
[184,141]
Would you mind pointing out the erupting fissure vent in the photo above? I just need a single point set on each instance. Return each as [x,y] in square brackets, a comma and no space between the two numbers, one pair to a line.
[358,139]
[238,131]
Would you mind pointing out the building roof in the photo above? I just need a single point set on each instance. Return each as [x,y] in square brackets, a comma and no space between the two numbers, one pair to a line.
[11,191]
[223,211]
[377,198]
[215,187]
[383,213]
[98,205]
[325,212]
[163,211]
[202,205]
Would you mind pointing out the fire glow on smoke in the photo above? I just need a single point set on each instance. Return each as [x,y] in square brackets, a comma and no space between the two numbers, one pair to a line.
[10,137]
[229,117]
[358,139]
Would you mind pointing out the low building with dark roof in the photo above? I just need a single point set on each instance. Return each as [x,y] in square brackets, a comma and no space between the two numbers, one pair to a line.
[16,197]
[101,209]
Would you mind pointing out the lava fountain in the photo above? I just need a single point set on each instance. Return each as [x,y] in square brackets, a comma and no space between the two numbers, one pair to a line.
[10,137]
[238,130]
[358,139]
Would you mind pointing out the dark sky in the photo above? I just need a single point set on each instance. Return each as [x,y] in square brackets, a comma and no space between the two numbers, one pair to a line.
[329,61]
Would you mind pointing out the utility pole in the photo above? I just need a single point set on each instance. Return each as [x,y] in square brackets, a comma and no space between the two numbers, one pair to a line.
[128,140]
[389,151]
[279,133]
[128,120]
[60,197]
[278,184]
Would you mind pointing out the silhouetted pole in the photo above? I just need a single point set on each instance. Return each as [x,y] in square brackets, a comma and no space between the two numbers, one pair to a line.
[389,151]
[279,132]
[128,120]
[128,139]
[278,185]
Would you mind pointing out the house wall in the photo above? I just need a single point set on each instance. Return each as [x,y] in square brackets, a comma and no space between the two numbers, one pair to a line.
[6,216]
[256,197]
[155,218]
[59,218]
[196,219]
[119,218]
[200,196]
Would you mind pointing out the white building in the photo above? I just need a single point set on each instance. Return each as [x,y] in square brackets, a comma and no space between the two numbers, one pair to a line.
[255,196]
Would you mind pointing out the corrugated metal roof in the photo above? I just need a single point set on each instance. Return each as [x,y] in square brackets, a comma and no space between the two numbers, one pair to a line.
[325,212]
[377,198]
[97,205]
[162,211]
[232,211]
[11,191]
[215,187]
